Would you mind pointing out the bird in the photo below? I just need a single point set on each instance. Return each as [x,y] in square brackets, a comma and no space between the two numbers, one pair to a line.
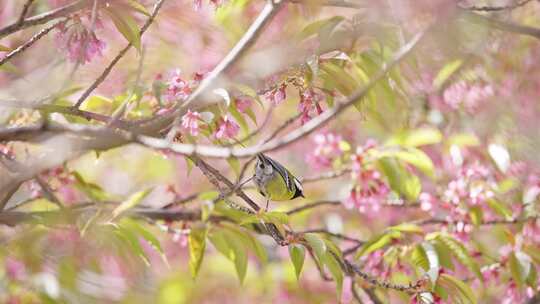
[274,181]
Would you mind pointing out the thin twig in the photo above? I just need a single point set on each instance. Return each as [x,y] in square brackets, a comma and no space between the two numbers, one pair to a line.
[119,56]
[246,41]
[48,193]
[44,18]
[313,205]
[506,26]
[336,235]
[24,11]
[29,43]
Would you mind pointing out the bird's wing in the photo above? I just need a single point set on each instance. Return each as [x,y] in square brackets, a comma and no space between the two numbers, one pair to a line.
[283,172]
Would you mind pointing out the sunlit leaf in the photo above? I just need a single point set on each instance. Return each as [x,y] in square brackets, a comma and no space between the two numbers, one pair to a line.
[145,234]
[416,138]
[276,217]
[378,242]
[456,289]
[127,26]
[401,181]
[459,251]
[500,208]
[197,245]
[317,244]
[297,254]
[138,7]
[445,73]
[92,190]
[131,202]
[315,27]
[337,273]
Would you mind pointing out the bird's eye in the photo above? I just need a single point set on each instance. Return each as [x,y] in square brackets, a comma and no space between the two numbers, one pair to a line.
[261,165]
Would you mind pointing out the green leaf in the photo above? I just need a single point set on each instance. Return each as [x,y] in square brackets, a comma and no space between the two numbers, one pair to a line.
[145,234]
[407,228]
[129,236]
[276,217]
[251,115]
[445,73]
[520,267]
[208,195]
[463,140]
[415,157]
[337,273]
[459,251]
[239,254]
[250,219]
[127,26]
[401,181]
[297,253]
[235,165]
[232,243]
[197,245]
[416,138]
[317,244]
[315,27]
[378,242]
[91,190]
[189,165]
[500,208]
[138,7]
[445,257]
[476,214]
[258,248]
[98,104]
[131,202]
[339,78]
[457,289]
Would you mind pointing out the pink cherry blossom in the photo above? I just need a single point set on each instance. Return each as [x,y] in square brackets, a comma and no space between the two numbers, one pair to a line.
[326,150]
[227,128]
[309,101]
[277,95]
[243,104]
[79,41]
[190,122]
[177,88]
[469,97]
[15,269]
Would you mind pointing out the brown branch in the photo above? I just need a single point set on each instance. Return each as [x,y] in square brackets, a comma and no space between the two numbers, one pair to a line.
[29,43]
[119,56]
[506,26]
[313,205]
[48,193]
[24,11]
[44,18]
[410,288]
[336,235]
[270,9]
[325,176]
[514,221]
[496,8]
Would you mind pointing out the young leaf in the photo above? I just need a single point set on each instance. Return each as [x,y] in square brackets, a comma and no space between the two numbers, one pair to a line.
[459,251]
[145,234]
[131,202]
[456,289]
[4,48]
[378,242]
[91,190]
[317,244]
[337,273]
[297,253]
[445,73]
[138,7]
[416,138]
[127,26]
[197,245]
[128,236]
[315,27]
[239,253]
[276,217]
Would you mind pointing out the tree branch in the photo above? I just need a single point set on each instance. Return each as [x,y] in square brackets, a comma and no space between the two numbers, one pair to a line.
[43,18]
[119,56]
[506,26]
[496,8]
[24,11]
[29,43]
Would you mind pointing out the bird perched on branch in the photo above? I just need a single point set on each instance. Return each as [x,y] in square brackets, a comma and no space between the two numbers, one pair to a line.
[274,181]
